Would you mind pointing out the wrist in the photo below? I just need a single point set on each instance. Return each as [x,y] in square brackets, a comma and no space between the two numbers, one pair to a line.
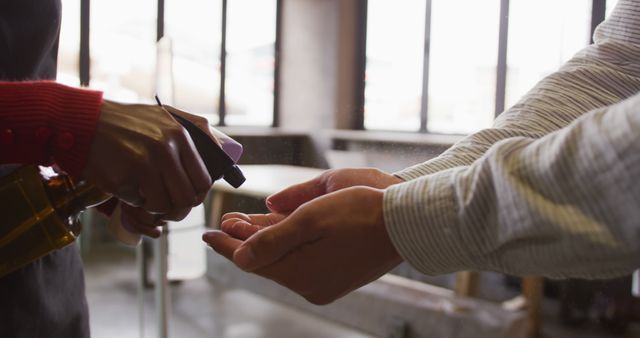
[75,113]
[375,200]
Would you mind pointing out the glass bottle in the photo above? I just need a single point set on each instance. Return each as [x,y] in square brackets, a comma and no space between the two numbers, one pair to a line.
[39,213]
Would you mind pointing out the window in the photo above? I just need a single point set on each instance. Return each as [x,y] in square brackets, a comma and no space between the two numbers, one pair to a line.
[123,49]
[462,65]
[250,63]
[194,28]
[203,50]
[393,86]
[449,66]
[534,53]
[69,47]
[610,5]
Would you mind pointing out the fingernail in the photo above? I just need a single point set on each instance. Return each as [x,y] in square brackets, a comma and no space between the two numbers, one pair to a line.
[270,205]
[207,236]
[203,194]
[244,257]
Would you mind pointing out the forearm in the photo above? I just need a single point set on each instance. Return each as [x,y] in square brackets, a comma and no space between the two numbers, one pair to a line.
[601,74]
[565,205]
[45,122]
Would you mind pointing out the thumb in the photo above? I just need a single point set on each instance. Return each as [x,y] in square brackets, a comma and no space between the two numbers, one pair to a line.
[271,244]
[296,195]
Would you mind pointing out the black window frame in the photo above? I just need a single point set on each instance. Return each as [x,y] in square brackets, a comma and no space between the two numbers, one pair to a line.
[597,16]
[85,53]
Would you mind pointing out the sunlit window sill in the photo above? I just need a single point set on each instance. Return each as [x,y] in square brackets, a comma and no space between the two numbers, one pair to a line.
[369,136]
[243,131]
[390,137]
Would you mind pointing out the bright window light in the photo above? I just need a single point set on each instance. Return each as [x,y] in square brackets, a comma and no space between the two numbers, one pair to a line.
[251,37]
[536,50]
[123,35]
[395,54]
[194,28]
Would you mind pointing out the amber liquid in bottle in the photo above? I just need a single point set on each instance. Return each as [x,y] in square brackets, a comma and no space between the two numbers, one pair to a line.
[39,210]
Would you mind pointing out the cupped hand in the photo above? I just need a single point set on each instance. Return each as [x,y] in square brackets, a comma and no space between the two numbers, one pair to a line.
[332,180]
[324,249]
[141,155]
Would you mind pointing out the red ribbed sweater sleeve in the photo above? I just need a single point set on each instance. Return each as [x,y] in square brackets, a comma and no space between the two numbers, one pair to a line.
[44,122]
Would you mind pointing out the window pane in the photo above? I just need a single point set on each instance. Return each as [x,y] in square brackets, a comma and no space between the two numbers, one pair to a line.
[611,4]
[536,50]
[194,28]
[251,36]
[394,68]
[123,54]
[69,48]
[462,65]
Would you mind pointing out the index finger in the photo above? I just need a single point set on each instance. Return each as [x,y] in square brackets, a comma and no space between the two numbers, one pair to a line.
[263,220]
[196,171]
[221,243]
[296,195]
[269,244]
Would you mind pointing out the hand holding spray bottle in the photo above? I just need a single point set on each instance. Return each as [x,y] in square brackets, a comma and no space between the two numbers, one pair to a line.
[41,207]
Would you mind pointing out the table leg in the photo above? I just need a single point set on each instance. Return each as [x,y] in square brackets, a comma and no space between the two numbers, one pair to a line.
[215,214]
[532,289]
[635,290]
[141,287]
[466,284]
[162,283]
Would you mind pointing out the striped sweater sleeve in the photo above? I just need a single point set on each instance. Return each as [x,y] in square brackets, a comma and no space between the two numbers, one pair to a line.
[44,122]
[603,73]
[564,205]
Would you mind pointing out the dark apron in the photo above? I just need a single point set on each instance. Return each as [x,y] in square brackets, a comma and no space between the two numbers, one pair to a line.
[45,298]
